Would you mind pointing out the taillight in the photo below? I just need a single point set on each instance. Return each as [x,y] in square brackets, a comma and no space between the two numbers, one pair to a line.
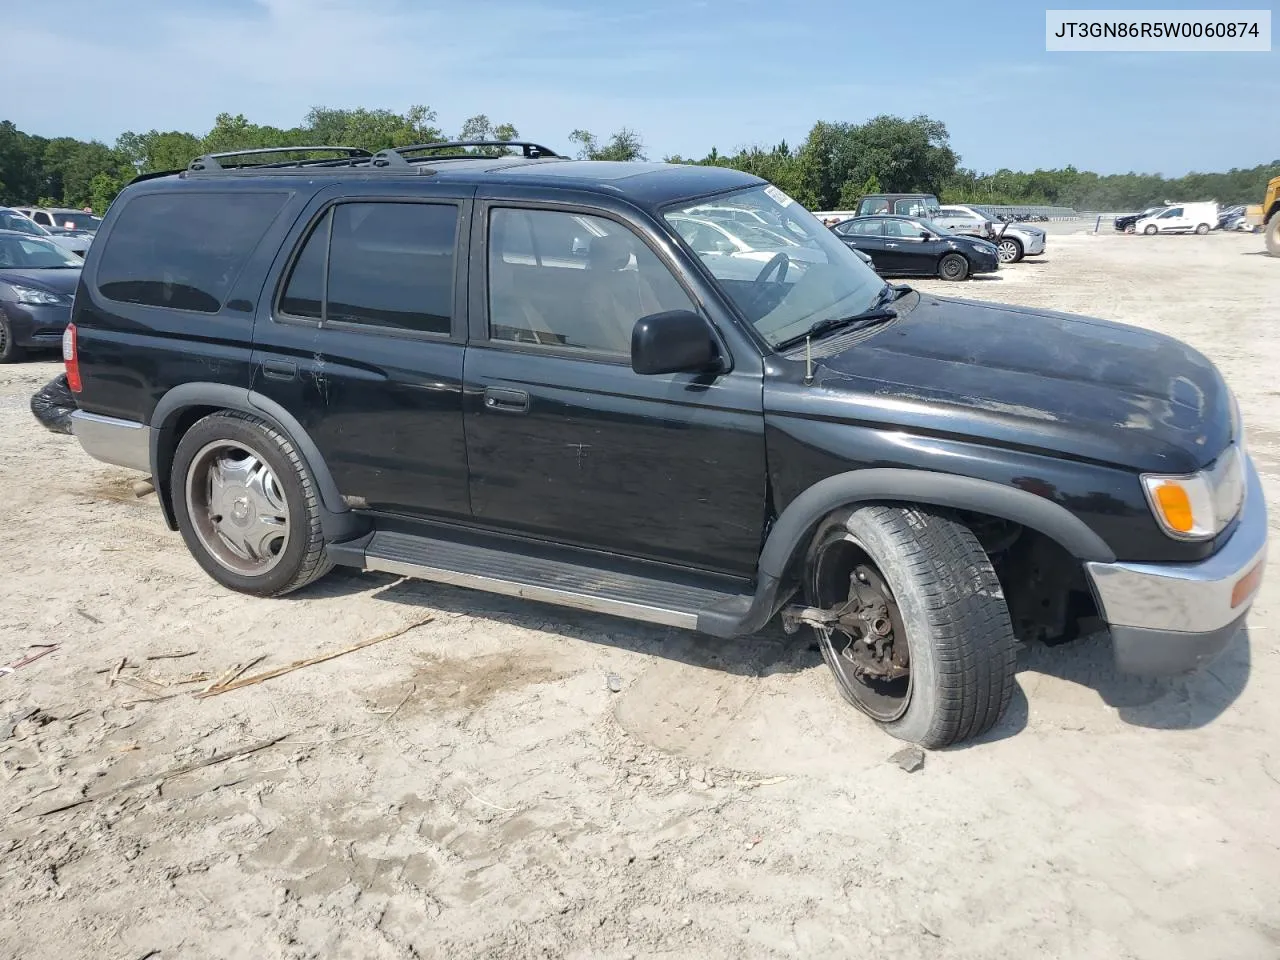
[70,358]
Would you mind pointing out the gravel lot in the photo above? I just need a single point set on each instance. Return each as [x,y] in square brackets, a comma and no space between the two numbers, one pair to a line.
[475,788]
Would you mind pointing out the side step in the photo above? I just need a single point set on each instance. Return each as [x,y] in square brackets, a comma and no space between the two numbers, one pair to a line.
[567,580]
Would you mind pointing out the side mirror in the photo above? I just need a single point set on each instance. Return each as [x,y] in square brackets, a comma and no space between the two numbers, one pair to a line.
[675,341]
[926,235]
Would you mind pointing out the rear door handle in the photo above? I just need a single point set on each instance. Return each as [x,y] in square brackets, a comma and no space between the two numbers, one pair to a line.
[506,400]
[279,369]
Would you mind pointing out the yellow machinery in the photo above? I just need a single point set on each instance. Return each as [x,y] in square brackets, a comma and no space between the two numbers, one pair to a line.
[1271,216]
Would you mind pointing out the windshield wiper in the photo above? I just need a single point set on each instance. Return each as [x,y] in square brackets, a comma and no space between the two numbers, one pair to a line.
[876,313]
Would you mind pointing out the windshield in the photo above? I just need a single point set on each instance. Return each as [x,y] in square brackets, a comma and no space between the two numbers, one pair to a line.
[35,254]
[11,220]
[76,221]
[782,283]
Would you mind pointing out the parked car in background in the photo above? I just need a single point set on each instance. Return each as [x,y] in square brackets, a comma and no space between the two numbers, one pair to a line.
[910,246]
[740,248]
[37,285]
[1013,239]
[960,218]
[1183,218]
[1125,222]
[62,218]
[902,204]
[11,219]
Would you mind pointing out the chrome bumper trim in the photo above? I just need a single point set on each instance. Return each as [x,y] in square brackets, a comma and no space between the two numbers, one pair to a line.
[124,443]
[1188,597]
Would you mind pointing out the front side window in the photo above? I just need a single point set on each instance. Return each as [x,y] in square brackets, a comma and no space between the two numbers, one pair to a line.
[1171,212]
[183,250]
[573,281]
[389,265]
[903,229]
[783,288]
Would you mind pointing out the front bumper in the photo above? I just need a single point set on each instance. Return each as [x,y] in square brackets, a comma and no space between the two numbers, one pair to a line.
[1169,618]
[36,324]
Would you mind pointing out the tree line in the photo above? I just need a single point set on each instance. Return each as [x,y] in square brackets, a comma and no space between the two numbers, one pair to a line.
[836,163]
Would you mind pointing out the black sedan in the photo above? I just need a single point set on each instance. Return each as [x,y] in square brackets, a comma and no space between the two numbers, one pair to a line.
[903,246]
[37,284]
[1126,222]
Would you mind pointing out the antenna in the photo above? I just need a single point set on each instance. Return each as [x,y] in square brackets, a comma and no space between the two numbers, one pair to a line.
[808,360]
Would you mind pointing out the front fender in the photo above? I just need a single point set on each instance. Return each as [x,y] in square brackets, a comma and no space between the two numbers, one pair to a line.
[796,523]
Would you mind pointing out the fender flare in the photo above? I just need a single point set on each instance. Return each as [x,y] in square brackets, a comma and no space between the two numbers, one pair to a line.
[922,487]
[336,517]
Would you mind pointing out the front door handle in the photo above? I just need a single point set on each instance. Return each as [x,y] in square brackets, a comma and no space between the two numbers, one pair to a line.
[279,369]
[506,400]
[890,244]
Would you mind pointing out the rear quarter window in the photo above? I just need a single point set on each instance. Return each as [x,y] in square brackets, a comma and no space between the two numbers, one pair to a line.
[183,251]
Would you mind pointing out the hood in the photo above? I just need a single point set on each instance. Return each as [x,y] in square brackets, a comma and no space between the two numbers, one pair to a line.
[1025,228]
[59,281]
[1072,386]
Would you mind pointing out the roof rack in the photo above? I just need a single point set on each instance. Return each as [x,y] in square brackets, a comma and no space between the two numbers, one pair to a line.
[395,156]
[212,161]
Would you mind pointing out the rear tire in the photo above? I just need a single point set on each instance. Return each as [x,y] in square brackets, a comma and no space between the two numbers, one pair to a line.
[1273,235]
[10,352]
[1202,229]
[953,266]
[943,594]
[248,506]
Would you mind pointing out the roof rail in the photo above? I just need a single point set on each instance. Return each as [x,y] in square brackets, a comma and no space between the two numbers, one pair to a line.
[395,156]
[211,161]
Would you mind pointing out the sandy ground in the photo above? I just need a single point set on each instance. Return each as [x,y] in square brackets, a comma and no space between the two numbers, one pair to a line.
[475,788]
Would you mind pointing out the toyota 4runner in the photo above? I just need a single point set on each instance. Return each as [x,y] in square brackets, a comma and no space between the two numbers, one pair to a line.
[513,373]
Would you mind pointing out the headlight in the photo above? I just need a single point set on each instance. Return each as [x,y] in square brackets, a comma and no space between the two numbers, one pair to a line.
[33,294]
[1199,506]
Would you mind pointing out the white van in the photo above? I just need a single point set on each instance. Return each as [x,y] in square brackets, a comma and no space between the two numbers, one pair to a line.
[1181,218]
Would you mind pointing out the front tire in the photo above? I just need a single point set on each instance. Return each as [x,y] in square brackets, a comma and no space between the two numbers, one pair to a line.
[248,506]
[937,591]
[1273,235]
[953,267]
[1010,250]
[10,352]
[1151,230]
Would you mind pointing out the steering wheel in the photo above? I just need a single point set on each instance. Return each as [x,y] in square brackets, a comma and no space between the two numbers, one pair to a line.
[779,262]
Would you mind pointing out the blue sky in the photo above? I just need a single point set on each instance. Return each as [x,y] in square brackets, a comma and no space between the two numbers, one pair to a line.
[687,74]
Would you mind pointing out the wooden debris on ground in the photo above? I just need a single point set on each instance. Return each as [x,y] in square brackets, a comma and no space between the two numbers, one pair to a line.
[229,685]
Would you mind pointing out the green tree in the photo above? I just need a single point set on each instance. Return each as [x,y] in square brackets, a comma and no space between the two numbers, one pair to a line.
[624,145]
[102,190]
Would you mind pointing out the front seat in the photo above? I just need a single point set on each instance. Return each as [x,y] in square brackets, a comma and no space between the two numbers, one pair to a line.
[616,296]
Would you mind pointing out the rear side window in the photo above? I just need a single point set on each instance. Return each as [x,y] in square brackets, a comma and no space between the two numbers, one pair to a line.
[389,265]
[183,251]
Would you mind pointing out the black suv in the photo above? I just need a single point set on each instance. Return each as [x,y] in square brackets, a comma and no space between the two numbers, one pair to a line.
[922,205]
[513,373]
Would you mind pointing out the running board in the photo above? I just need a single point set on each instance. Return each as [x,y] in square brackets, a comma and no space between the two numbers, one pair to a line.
[559,581]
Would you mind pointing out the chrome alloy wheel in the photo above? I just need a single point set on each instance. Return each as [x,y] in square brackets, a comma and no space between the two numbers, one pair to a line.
[237,507]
